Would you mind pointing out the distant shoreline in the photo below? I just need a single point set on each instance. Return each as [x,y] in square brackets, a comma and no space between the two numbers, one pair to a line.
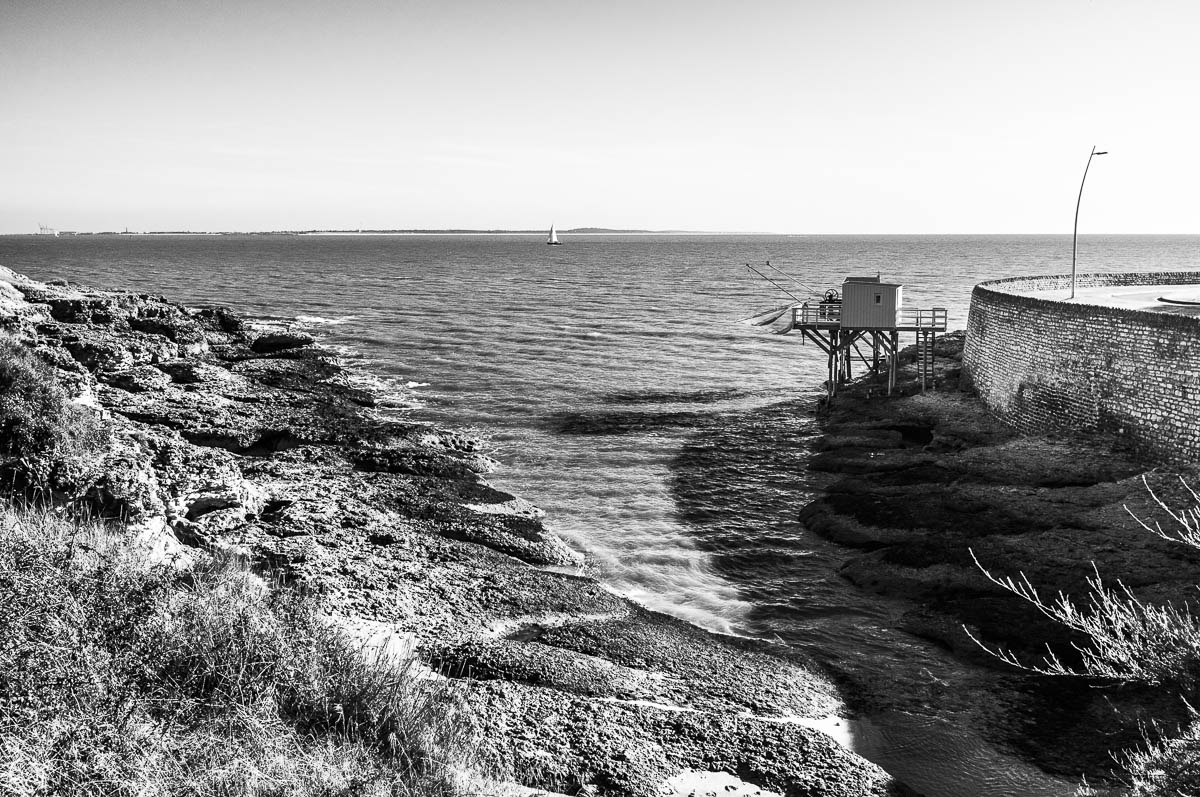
[582,231]
[523,232]
[585,231]
[577,231]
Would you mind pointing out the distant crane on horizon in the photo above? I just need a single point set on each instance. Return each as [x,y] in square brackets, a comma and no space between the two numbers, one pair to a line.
[45,230]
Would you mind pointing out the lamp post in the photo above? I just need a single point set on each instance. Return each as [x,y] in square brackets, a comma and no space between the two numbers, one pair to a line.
[1075,234]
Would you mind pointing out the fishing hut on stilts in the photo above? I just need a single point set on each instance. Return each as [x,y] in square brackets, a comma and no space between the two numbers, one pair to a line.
[864,321]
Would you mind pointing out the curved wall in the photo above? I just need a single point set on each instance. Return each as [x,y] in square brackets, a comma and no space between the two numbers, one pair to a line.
[1042,364]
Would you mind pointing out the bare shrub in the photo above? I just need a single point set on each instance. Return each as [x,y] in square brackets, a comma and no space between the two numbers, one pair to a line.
[1168,764]
[1129,640]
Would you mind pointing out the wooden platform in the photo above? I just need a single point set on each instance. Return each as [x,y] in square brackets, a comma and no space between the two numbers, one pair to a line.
[908,319]
[822,324]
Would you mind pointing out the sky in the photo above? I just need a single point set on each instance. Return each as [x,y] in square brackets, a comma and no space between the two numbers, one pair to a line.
[790,116]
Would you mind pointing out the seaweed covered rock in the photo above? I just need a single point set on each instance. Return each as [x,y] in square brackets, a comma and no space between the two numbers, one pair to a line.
[924,516]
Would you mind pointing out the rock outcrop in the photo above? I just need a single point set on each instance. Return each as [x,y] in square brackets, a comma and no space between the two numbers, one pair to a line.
[257,442]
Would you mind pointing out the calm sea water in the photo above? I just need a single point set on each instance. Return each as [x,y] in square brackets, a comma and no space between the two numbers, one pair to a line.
[613,381]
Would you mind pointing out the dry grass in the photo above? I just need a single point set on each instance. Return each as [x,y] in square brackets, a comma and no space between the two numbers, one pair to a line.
[121,678]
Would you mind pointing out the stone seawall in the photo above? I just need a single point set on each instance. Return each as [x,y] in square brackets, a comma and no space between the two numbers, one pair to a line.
[1042,364]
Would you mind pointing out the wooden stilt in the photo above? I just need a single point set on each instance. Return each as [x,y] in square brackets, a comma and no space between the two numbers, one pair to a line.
[895,341]
[831,383]
[823,325]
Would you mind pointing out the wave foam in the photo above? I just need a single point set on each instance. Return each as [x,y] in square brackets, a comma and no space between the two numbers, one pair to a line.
[316,320]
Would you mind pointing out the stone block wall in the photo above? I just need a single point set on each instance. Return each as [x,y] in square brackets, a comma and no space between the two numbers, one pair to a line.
[1044,365]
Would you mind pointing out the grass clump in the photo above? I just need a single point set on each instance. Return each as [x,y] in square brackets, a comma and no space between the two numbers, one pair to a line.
[118,677]
[45,438]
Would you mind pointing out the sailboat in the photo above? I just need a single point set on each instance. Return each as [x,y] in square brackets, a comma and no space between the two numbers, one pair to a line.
[553,240]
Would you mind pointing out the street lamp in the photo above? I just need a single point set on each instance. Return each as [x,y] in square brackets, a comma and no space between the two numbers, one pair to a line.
[1075,235]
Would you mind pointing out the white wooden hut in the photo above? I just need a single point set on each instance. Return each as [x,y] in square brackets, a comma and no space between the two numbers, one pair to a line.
[869,303]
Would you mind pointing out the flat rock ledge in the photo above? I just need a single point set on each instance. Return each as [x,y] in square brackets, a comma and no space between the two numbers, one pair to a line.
[231,439]
[921,485]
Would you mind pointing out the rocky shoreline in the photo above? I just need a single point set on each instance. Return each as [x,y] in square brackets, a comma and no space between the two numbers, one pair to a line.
[923,484]
[233,440]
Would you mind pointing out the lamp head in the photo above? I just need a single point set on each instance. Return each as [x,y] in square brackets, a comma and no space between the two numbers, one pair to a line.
[1101,153]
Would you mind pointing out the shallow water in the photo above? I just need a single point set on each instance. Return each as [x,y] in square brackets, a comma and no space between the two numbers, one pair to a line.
[612,379]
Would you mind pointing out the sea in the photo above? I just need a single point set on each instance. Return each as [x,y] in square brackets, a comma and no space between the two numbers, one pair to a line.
[614,381]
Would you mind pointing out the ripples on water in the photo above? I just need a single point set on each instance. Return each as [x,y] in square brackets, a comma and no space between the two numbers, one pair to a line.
[611,377]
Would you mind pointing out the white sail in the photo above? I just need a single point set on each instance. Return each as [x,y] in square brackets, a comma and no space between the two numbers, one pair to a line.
[553,236]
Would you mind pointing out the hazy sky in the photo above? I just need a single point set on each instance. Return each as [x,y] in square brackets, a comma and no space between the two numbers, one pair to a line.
[840,116]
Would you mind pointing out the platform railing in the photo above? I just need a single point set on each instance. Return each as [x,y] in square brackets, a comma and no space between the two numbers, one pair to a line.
[820,313]
[925,318]
[933,318]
